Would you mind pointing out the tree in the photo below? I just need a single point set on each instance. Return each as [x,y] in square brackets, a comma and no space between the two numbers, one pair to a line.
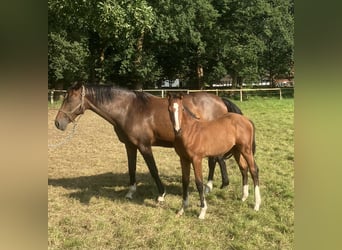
[114,29]
[277,59]
[136,43]
[178,39]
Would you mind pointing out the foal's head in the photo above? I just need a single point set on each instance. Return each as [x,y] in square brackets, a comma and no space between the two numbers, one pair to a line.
[176,110]
[72,106]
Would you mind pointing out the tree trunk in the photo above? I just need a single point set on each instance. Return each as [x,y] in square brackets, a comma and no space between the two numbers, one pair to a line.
[199,76]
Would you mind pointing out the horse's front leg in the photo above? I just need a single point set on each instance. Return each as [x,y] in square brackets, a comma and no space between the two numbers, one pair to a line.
[197,164]
[131,152]
[146,152]
[185,164]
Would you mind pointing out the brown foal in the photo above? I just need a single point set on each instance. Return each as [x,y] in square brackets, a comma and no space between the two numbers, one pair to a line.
[196,139]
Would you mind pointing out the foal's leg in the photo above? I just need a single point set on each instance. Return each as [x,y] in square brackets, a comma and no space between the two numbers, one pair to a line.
[244,172]
[185,182]
[253,169]
[131,152]
[197,164]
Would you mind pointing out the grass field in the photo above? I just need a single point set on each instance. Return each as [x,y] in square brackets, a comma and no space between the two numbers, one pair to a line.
[88,180]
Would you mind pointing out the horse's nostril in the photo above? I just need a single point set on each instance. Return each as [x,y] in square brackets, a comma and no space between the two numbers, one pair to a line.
[57,124]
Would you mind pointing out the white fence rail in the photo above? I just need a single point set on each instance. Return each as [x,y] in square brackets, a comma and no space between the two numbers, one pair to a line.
[218,92]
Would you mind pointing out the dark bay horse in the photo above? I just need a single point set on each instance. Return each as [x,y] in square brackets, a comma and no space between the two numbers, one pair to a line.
[196,139]
[140,121]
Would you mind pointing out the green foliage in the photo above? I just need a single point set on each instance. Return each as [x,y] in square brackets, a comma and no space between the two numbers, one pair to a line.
[136,43]
[66,58]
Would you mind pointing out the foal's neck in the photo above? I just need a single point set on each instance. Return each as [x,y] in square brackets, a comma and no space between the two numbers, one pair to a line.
[188,118]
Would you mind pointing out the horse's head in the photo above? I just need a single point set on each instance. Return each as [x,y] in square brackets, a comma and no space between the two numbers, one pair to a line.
[72,106]
[176,110]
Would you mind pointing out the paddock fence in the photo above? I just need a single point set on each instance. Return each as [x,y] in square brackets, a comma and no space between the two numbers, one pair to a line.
[235,94]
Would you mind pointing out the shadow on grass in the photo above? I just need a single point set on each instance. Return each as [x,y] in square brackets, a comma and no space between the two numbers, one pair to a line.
[114,186]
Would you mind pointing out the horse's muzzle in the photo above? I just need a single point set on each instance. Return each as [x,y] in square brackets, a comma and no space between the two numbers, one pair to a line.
[59,125]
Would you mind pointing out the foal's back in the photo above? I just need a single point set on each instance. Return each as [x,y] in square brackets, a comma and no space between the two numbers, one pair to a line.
[216,137]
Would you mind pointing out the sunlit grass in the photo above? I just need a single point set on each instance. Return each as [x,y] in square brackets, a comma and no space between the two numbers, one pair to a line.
[88,181]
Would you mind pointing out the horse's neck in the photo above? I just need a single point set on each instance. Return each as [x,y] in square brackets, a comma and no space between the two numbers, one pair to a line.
[110,111]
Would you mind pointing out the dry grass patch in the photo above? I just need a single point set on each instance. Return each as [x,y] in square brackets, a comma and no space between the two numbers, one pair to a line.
[88,180]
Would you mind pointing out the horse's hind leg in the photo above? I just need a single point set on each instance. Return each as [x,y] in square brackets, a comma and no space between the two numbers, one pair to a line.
[244,172]
[224,174]
[212,163]
[197,164]
[185,182]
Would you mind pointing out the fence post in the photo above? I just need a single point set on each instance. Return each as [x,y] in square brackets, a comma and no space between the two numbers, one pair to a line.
[240,95]
[51,96]
[280,96]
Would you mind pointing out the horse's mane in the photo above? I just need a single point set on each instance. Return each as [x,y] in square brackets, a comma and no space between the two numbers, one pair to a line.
[101,93]
[142,97]
[106,93]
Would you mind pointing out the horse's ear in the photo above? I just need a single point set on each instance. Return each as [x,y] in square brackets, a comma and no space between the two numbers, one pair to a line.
[77,85]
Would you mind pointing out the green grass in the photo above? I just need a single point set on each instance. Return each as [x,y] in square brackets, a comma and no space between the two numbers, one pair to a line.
[88,181]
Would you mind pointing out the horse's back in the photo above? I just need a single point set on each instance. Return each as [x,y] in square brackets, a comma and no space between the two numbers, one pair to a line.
[205,105]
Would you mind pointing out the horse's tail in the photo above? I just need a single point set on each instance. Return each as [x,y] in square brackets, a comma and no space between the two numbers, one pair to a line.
[231,107]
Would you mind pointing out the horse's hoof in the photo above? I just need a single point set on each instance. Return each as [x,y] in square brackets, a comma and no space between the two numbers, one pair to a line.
[161,198]
[226,184]
[129,196]
[180,212]
[208,187]
[132,190]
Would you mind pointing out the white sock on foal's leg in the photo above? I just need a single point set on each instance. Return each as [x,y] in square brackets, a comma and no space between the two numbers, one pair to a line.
[257,198]
[203,211]
[244,192]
